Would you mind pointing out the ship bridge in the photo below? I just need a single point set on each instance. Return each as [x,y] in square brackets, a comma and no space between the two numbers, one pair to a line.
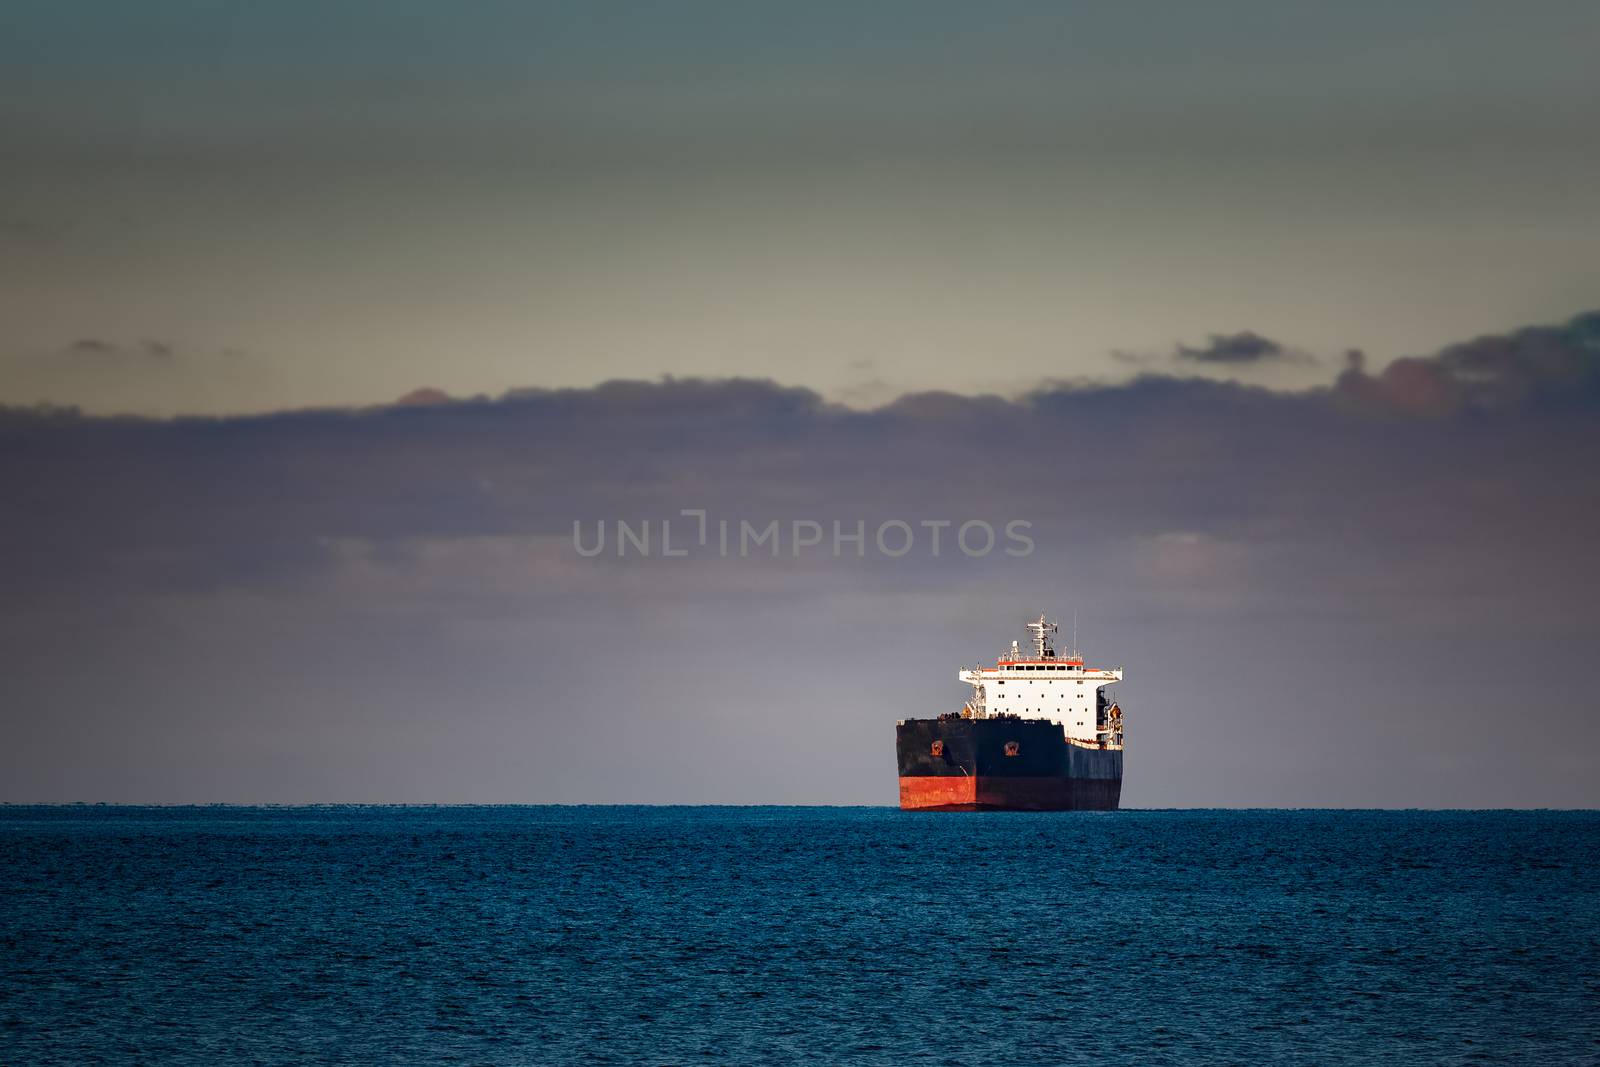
[1037,683]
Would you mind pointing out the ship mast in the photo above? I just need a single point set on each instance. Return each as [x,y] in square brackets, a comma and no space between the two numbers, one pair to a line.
[1041,631]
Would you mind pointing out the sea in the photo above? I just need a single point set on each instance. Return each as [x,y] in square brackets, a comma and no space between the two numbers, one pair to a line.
[798,935]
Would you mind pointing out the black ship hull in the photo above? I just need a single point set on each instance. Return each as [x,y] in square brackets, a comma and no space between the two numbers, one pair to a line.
[1003,764]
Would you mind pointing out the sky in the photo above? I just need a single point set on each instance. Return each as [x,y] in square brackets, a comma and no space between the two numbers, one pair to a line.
[322,325]
[297,204]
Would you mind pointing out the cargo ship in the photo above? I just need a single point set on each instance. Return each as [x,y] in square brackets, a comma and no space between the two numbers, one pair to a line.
[1039,734]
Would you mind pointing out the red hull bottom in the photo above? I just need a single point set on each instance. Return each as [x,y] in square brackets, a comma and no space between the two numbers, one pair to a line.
[947,793]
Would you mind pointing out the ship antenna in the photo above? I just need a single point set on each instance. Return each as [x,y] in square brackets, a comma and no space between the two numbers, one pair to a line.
[1041,638]
[1075,653]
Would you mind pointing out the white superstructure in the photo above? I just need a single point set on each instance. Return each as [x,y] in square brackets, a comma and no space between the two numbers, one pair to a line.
[1036,683]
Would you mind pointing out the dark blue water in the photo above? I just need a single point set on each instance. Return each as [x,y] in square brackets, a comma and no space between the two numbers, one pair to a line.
[796,935]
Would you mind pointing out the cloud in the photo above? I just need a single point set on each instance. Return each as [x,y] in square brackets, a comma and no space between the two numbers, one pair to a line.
[148,375]
[95,347]
[1246,346]
[427,396]
[1163,453]
[406,571]
[1540,366]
